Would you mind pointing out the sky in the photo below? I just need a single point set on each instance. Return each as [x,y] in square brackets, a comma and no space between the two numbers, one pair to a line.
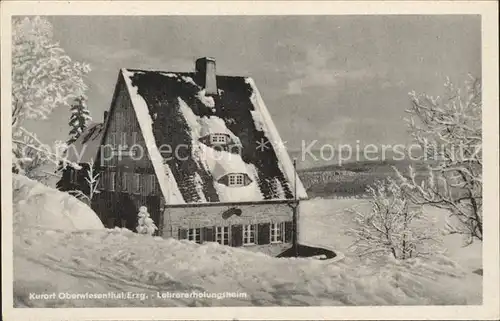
[334,79]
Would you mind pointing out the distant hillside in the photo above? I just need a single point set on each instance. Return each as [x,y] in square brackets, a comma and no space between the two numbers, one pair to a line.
[351,179]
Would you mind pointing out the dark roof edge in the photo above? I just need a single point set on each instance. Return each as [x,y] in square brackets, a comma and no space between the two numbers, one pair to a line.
[211,204]
[182,72]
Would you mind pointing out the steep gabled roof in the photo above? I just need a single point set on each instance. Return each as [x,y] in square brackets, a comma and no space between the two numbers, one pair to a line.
[86,147]
[173,110]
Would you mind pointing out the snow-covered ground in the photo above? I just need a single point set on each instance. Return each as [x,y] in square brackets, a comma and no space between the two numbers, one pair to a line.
[60,258]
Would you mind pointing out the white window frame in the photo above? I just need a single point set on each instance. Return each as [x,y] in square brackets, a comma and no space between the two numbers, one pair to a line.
[125,183]
[218,138]
[276,232]
[222,235]
[136,186]
[123,141]
[112,139]
[153,183]
[194,235]
[249,234]
[112,176]
[236,179]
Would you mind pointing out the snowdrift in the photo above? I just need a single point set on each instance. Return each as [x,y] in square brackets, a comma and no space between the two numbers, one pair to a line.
[119,260]
[60,247]
[38,205]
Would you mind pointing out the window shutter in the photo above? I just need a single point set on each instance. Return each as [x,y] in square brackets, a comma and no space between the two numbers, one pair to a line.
[100,183]
[112,181]
[236,235]
[247,180]
[263,233]
[182,234]
[224,180]
[288,231]
[153,184]
[112,139]
[208,234]
[125,181]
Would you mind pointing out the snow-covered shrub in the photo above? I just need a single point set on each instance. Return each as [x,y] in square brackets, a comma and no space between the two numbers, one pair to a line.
[449,130]
[43,78]
[145,224]
[394,225]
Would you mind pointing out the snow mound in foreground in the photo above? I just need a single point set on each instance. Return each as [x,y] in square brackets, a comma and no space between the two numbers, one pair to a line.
[118,260]
[35,204]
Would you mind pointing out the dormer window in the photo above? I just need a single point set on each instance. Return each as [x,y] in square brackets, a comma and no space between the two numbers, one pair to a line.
[218,139]
[236,179]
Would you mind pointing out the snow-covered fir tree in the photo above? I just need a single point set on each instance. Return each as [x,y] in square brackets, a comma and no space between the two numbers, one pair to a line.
[145,224]
[79,119]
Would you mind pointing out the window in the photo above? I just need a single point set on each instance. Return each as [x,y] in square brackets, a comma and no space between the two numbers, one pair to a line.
[125,181]
[74,175]
[194,234]
[276,232]
[236,179]
[222,235]
[134,138]
[249,234]
[111,186]
[218,138]
[137,183]
[123,141]
[112,140]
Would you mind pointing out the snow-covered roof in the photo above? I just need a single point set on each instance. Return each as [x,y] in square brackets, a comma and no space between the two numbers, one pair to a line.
[175,108]
[86,147]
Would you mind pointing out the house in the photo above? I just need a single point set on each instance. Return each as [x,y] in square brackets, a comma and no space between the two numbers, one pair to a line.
[200,151]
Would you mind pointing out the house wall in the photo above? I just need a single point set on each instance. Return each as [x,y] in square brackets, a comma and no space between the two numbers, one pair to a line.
[178,218]
[123,194]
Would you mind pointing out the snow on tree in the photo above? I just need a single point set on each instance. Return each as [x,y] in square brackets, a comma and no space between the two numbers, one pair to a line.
[43,78]
[79,118]
[449,131]
[145,224]
[90,189]
[394,225]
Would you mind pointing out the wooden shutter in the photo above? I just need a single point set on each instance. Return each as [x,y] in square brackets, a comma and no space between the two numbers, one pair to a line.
[112,182]
[224,180]
[183,233]
[263,233]
[208,234]
[247,180]
[288,231]
[236,235]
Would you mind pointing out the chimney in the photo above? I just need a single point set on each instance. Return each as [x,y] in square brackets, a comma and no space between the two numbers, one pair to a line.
[205,72]
[105,117]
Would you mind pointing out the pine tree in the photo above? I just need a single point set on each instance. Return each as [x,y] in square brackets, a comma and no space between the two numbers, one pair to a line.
[79,119]
[145,224]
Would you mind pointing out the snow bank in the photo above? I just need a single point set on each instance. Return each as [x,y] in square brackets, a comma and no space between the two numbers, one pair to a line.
[105,260]
[37,205]
[116,260]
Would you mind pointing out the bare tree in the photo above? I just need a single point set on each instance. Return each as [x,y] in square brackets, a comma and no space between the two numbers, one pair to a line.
[393,225]
[91,188]
[449,131]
